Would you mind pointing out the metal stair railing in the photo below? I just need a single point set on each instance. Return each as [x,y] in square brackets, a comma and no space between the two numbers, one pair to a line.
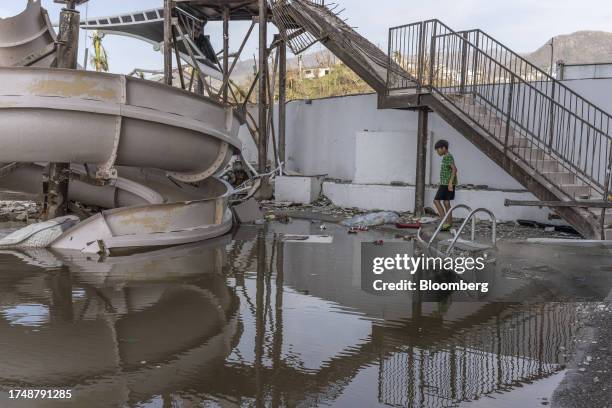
[511,107]
[544,81]
[470,217]
[557,90]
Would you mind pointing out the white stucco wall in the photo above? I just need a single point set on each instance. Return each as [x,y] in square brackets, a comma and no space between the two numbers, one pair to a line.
[322,139]
[375,163]
[597,91]
[349,139]
[321,133]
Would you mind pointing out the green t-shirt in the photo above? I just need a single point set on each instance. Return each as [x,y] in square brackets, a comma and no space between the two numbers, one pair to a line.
[446,170]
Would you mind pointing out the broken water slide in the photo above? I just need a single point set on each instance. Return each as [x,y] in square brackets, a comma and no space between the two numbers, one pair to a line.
[145,152]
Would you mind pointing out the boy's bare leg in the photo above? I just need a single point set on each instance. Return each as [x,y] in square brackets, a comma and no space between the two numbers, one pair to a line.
[439,208]
[447,207]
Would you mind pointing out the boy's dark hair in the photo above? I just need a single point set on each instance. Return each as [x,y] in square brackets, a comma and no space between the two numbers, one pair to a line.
[441,144]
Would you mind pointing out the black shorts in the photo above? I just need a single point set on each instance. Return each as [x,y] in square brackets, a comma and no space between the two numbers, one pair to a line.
[444,195]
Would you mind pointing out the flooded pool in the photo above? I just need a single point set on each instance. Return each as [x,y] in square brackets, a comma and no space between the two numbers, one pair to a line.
[251,319]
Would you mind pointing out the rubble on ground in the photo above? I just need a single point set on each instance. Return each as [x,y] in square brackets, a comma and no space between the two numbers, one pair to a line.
[322,207]
[323,210]
[514,230]
[31,211]
[19,211]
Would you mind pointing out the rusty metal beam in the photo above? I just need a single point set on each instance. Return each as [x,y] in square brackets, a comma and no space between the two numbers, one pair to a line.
[421,163]
[271,92]
[168,5]
[227,79]
[178,58]
[282,102]
[226,71]
[202,79]
[263,80]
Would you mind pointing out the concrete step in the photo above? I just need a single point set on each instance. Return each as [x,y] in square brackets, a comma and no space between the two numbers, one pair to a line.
[518,141]
[560,177]
[608,219]
[487,119]
[530,153]
[577,190]
[547,165]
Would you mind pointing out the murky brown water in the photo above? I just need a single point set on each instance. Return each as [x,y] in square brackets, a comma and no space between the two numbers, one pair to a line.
[251,320]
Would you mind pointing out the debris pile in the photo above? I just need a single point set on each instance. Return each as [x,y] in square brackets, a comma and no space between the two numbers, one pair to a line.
[517,231]
[21,211]
[322,209]
[358,220]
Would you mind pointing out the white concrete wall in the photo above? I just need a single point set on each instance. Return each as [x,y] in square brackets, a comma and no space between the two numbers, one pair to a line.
[348,139]
[321,134]
[571,72]
[375,163]
[294,189]
[597,91]
[322,139]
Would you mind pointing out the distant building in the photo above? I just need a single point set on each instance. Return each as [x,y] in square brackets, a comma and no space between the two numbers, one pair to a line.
[312,73]
[600,70]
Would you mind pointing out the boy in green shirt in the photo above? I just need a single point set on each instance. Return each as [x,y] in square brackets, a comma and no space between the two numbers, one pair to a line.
[448,182]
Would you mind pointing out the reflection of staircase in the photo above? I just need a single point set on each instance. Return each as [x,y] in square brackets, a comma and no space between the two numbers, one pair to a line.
[553,141]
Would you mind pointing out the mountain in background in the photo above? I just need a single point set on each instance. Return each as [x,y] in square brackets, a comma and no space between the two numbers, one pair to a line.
[581,47]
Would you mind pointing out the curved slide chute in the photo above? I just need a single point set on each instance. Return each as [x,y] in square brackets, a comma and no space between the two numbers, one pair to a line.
[26,34]
[146,152]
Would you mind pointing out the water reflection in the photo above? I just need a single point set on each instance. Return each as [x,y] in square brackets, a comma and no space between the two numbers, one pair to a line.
[119,331]
[251,320]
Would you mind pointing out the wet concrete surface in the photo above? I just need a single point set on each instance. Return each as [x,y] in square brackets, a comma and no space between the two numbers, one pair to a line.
[588,382]
[253,320]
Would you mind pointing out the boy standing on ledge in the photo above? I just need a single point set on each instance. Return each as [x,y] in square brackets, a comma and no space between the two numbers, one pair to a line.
[448,183]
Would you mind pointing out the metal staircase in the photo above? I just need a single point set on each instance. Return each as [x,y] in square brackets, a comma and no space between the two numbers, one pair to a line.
[549,138]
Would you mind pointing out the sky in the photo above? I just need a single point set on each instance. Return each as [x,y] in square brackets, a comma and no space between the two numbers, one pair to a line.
[523,25]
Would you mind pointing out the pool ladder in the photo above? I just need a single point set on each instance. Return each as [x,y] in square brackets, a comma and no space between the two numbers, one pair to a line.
[472,245]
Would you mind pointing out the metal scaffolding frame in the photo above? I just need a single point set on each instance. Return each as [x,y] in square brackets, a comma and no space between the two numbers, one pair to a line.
[178,17]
